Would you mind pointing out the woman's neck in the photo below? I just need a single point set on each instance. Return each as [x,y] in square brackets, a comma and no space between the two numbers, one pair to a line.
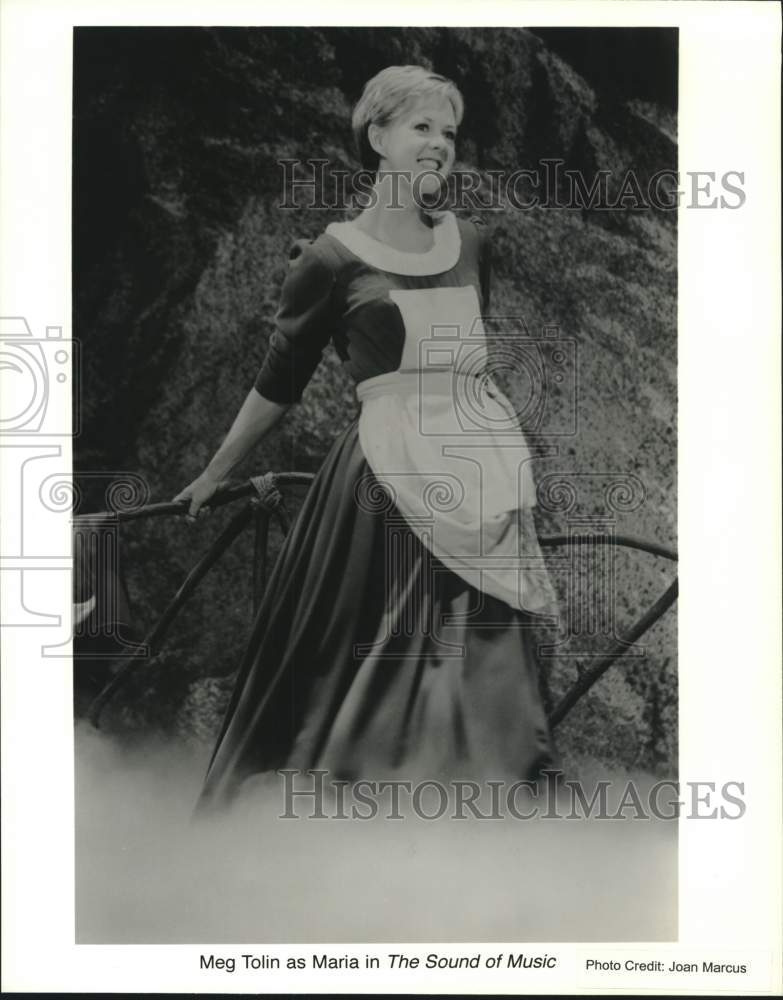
[394,219]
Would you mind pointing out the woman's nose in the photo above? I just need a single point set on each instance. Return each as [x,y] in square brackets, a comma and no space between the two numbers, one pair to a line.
[439,149]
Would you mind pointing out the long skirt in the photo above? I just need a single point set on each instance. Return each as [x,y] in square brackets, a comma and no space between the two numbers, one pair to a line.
[370,659]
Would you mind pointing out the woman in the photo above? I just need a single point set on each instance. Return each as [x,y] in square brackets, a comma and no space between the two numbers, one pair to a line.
[394,638]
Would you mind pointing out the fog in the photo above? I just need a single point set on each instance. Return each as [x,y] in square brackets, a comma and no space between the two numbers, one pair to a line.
[146,873]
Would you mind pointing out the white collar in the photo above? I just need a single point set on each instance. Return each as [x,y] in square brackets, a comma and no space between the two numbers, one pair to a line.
[443,255]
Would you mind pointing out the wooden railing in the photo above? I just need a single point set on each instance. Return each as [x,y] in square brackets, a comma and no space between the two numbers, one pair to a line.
[265,503]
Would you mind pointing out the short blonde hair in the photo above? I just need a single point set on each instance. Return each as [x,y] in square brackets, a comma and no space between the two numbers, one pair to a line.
[390,93]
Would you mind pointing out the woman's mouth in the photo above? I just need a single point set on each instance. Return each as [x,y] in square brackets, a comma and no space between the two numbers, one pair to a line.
[431,162]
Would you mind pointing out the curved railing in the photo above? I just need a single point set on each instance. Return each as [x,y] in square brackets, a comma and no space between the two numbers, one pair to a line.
[265,503]
[587,677]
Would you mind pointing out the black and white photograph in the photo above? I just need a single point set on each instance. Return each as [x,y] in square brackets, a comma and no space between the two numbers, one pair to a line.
[404,325]
[370,429]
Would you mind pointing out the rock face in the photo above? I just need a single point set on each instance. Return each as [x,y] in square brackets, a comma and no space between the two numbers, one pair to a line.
[179,252]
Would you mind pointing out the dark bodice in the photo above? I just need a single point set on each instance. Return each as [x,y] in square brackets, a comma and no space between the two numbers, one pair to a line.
[340,288]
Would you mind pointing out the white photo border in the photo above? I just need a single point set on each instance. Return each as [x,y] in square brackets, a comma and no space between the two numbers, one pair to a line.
[729,503]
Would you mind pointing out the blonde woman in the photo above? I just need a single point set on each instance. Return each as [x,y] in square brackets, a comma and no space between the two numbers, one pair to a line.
[394,638]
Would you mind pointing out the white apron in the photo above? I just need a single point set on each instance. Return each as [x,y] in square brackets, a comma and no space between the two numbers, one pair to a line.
[446,445]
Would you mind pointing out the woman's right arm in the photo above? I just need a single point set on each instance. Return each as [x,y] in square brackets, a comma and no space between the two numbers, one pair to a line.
[303,327]
[256,416]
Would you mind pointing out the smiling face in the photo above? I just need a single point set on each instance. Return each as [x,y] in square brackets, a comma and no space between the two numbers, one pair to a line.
[419,141]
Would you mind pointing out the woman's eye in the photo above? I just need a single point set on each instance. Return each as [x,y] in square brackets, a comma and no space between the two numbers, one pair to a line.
[422,125]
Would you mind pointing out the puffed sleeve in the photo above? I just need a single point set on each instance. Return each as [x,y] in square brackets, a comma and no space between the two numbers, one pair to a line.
[304,323]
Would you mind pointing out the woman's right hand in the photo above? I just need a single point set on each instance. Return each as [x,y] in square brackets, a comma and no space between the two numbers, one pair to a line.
[198,492]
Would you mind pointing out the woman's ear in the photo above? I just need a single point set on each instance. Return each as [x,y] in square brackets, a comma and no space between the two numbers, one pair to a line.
[375,139]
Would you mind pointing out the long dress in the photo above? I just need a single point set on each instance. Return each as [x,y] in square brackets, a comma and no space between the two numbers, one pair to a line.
[396,634]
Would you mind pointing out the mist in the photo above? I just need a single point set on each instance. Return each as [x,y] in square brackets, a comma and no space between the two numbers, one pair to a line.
[147,874]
